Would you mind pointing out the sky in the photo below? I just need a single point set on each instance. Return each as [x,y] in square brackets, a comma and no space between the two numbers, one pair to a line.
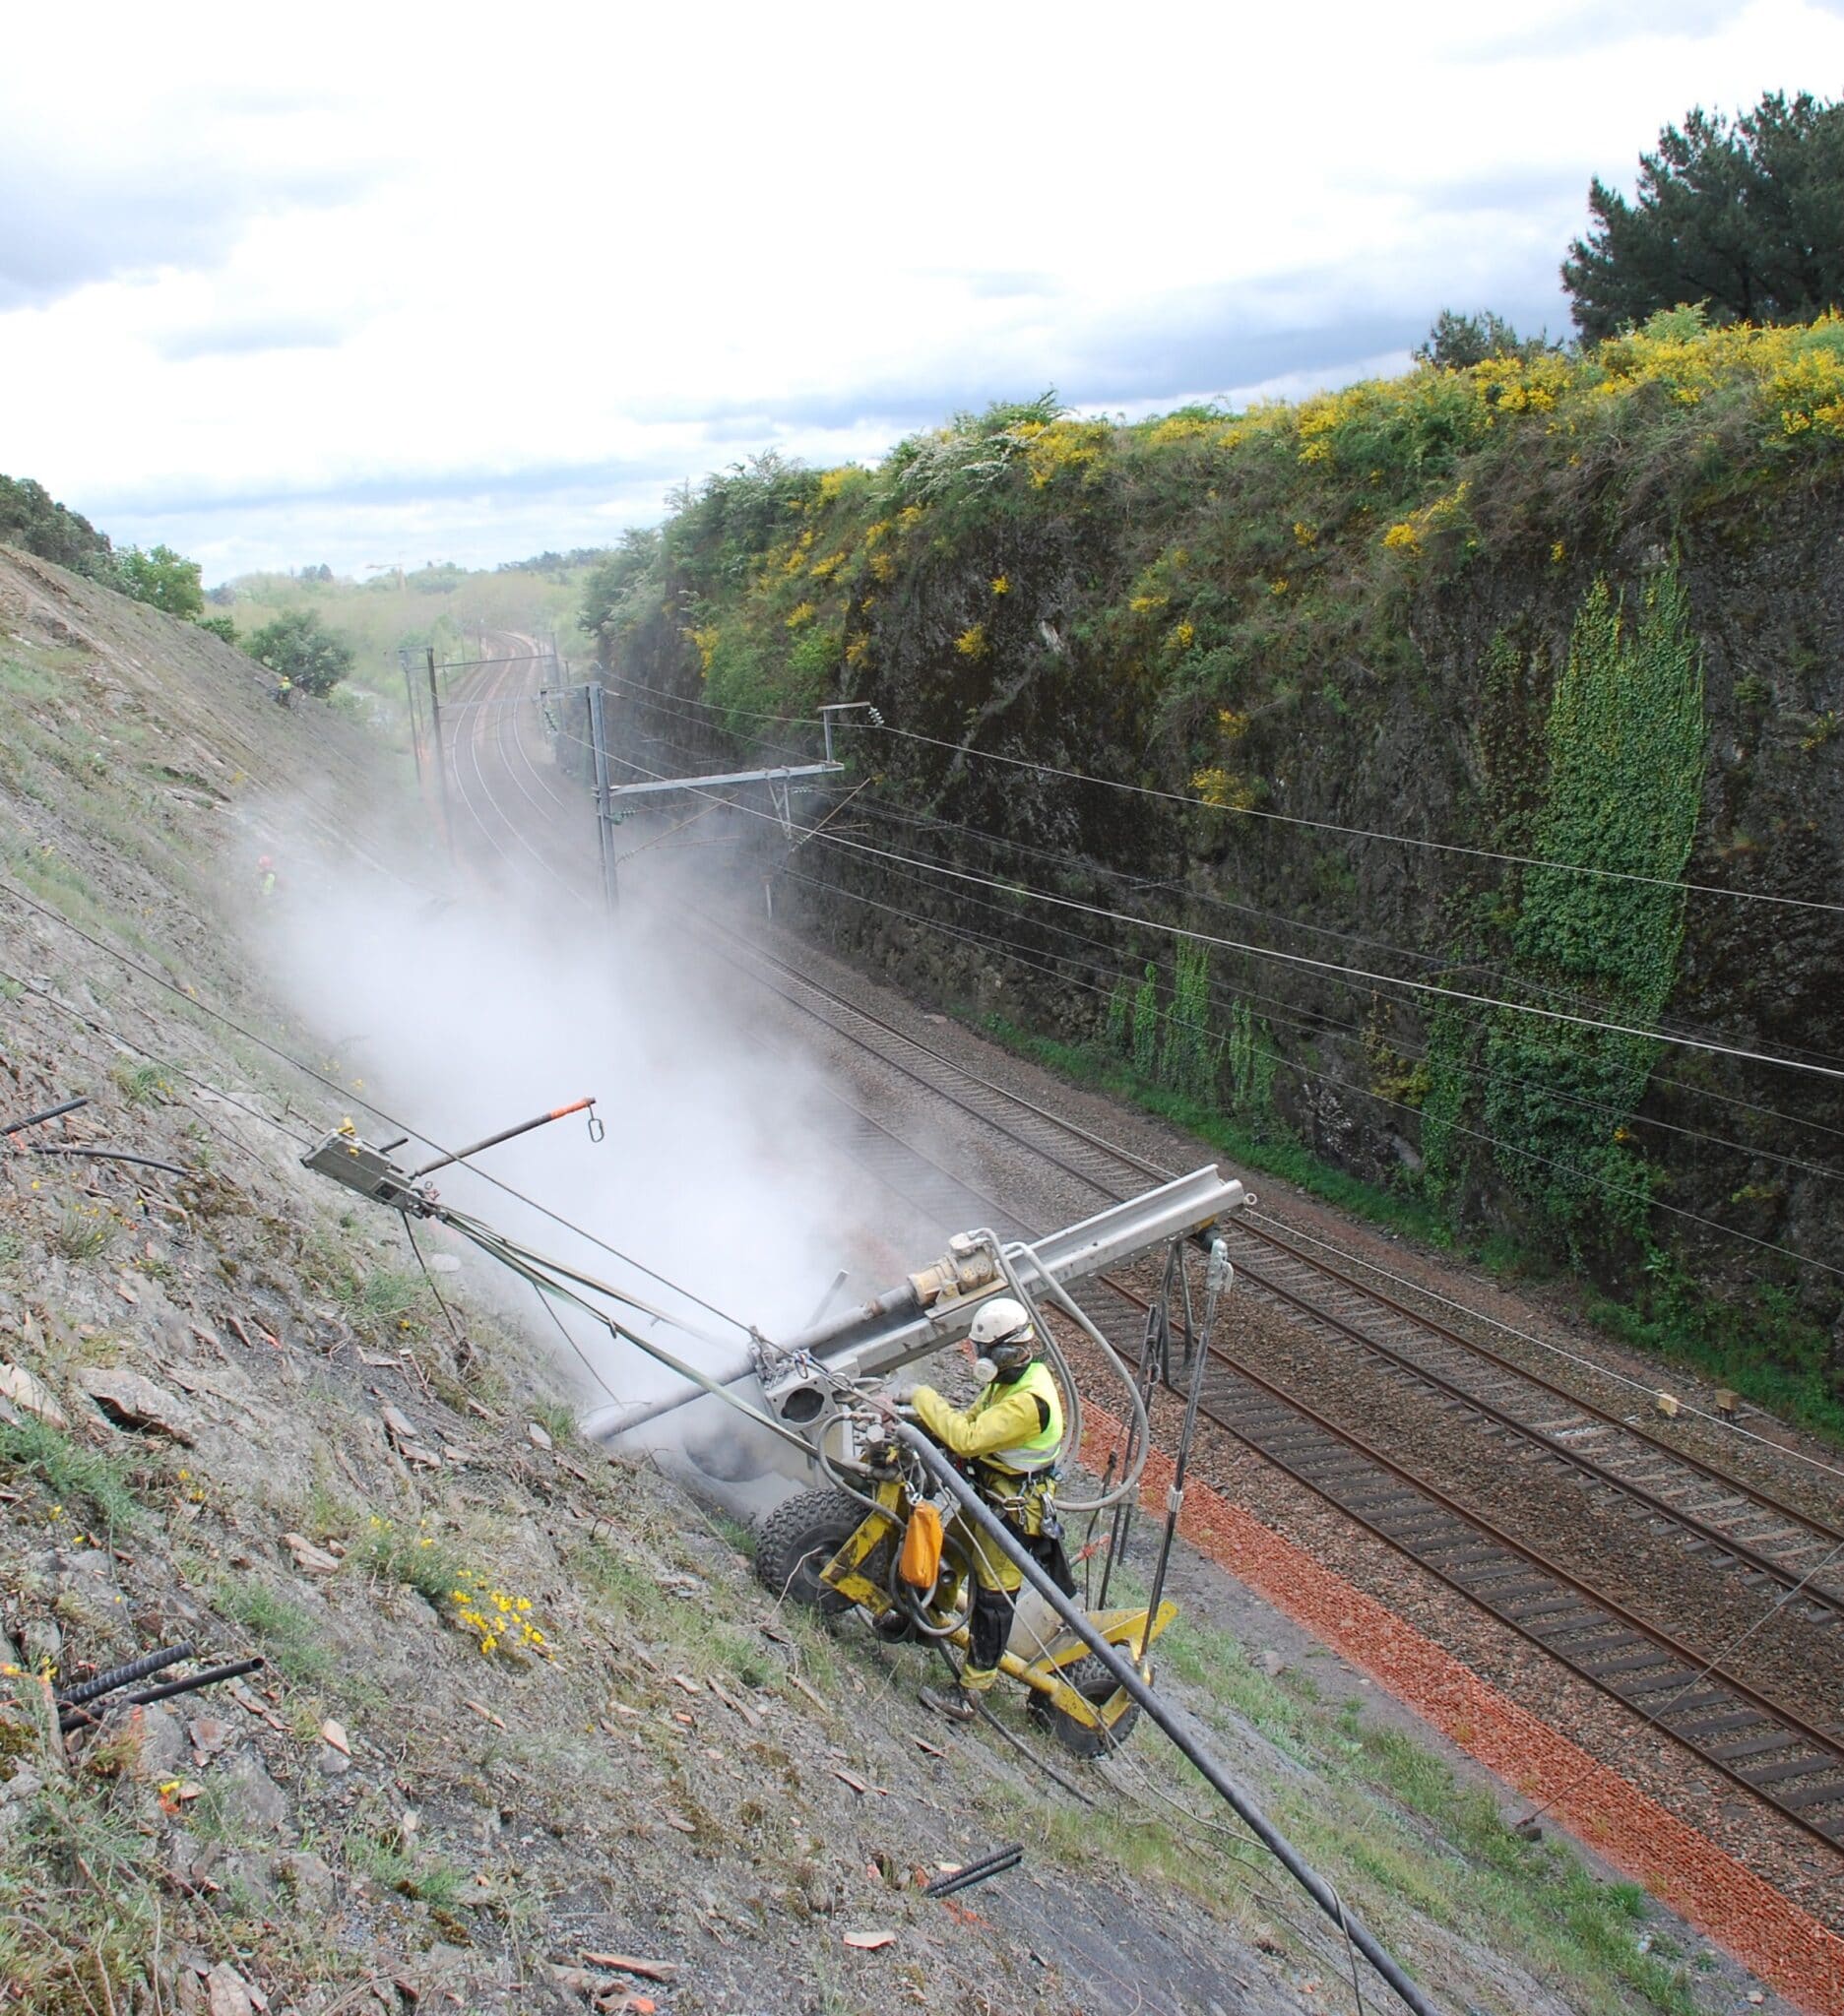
[374,287]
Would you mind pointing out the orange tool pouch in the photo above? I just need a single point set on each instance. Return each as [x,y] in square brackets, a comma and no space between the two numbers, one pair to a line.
[920,1563]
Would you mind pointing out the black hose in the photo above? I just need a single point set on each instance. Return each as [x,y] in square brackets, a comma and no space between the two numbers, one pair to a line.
[1127,1676]
[70,1105]
[146,1161]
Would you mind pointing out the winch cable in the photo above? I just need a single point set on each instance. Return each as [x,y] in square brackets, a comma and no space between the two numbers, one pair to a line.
[545,1276]
[1127,1677]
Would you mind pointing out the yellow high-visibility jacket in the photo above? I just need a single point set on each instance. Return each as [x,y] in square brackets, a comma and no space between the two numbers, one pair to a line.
[1015,1425]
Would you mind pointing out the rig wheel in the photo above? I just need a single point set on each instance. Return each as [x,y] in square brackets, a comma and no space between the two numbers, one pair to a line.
[1096,1684]
[795,1542]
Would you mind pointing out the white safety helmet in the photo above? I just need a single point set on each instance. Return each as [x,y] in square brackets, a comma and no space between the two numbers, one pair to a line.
[1002,1336]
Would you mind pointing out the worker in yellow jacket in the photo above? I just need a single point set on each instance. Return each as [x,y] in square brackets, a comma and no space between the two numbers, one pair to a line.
[1011,1439]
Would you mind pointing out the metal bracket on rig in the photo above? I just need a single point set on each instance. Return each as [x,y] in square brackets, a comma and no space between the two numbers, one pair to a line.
[350,1160]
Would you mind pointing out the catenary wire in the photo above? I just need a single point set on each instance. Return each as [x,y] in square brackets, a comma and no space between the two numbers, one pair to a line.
[1526,1154]
[1496,1323]
[1087,865]
[1296,819]
[1546,1162]
[1335,968]
[1227,994]
[1462,1309]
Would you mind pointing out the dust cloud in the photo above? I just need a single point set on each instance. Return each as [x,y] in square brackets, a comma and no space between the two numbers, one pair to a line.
[466,1012]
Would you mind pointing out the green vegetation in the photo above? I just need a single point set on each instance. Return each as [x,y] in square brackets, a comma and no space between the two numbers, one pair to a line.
[74,1475]
[162,578]
[30,519]
[81,1907]
[1428,1844]
[1624,742]
[289,1633]
[304,650]
[1232,600]
[1277,1153]
[1745,218]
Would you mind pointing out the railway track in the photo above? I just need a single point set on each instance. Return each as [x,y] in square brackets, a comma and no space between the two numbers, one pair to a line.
[1791,1762]
[1791,1560]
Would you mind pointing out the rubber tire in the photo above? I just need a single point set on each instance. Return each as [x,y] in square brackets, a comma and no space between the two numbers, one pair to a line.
[797,1538]
[1096,1684]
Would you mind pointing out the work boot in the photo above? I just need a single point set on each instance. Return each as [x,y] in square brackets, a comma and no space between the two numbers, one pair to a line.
[954,1703]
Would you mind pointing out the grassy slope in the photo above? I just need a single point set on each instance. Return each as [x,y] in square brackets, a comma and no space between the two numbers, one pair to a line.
[508,1807]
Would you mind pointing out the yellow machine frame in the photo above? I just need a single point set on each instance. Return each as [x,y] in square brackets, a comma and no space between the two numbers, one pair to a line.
[1125,1628]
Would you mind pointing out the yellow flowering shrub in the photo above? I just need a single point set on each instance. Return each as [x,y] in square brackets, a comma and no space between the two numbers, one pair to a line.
[1224,788]
[1000,584]
[1063,447]
[972,641]
[1181,427]
[503,1621]
[802,612]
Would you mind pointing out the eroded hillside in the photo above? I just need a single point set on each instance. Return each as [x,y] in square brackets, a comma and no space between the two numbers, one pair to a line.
[521,1707]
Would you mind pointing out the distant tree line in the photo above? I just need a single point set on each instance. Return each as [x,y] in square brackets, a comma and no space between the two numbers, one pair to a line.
[1741,218]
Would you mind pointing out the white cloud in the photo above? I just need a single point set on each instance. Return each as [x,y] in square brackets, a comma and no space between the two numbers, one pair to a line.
[384,277]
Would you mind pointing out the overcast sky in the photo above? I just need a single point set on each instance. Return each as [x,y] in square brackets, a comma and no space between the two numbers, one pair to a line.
[284,286]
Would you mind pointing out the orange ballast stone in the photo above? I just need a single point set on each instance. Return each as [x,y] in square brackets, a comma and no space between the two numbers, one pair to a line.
[1702,1883]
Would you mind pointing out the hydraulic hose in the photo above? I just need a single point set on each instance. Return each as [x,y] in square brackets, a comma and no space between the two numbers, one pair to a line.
[1140,1434]
[1126,1675]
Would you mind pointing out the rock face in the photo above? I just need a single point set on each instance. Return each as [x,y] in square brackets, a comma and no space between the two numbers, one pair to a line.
[134,1402]
[1517,690]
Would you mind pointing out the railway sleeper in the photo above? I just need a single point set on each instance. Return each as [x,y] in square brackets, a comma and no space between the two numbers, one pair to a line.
[1632,1667]
[1750,1747]
[1520,1585]
[1450,1558]
[1585,1623]
[1809,1766]
[1731,1718]
[1647,1684]
[1830,1794]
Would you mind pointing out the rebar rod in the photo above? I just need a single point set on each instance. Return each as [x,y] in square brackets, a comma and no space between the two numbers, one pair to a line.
[123,1676]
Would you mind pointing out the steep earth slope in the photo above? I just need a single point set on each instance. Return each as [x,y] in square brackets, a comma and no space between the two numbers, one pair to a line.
[521,1706]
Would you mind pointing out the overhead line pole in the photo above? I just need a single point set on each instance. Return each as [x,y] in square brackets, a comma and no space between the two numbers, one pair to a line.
[598,741]
[441,769]
[415,718]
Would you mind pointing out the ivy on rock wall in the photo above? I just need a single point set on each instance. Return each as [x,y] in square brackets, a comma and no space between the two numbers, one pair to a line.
[1624,742]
